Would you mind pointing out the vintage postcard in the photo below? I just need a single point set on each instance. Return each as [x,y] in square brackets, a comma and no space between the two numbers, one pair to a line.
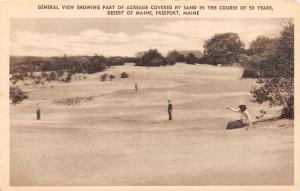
[149,95]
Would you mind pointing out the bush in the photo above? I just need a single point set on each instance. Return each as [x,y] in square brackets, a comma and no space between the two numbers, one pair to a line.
[52,76]
[96,64]
[25,75]
[248,73]
[111,77]
[16,77]
[60,73]
[44,74]
[277,84]
[174,56]
[288,110]
[170,61]
[16,95]
[103,77]
[191,59]
[152,58]
[116,61]
[124,75]
[159,61]
[69,77]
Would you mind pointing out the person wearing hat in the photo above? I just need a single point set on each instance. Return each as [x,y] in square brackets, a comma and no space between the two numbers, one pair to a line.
[245,116]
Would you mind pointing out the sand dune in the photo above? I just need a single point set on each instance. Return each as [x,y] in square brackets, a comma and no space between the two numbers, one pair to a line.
[122,137]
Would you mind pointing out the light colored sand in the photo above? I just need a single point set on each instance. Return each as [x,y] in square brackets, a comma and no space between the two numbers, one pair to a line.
[122,136]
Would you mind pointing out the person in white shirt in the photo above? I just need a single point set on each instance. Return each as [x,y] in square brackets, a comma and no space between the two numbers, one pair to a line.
[245,116]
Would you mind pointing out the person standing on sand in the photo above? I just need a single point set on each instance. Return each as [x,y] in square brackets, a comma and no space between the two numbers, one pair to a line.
[38,111]
[136,87]
[170,108]
[245,116]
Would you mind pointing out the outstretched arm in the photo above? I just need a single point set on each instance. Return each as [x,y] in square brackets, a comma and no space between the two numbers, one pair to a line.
[232,109]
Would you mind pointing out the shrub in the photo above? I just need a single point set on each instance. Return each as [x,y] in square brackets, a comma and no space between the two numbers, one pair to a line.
[103,77]
[248,73]
[52,76]
[174,56]
[16,95]
[111,77]
[60,73]
[191,59]
[17,77]
[115,61]
[152,58]
[158,61]
[69,77]
[96,64]
[170,61]
[44,74]
[277,74]
[25,75]
[124,75]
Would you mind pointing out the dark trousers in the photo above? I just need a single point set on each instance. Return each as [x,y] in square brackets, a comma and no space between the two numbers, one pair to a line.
[170,115]
[38,114]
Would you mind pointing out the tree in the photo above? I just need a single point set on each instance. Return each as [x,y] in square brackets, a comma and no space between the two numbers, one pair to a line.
[261,45]
[96,64]
[140,54]
[124,75]
[277,83]
[52,76]
[44,74]
[248,73]
[261,51]
[152,58]
[175,56]
[111,77]
[103,77]
[223,48]
[16,94]
[191,59]
[69,77]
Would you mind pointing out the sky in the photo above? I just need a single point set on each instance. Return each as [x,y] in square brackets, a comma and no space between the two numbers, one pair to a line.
[126,36]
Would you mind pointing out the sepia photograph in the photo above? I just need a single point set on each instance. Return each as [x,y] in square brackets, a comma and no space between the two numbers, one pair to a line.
[151,102]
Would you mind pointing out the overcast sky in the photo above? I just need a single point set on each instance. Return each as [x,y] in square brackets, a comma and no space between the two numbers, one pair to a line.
[125,37]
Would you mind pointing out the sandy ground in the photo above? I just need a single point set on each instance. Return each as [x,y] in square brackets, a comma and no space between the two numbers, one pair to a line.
[123,138]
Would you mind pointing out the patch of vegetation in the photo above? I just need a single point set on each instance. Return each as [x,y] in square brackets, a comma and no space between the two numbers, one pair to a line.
[103,77]
[191,59]
[152,58]
[276,67]
[124,75]
[248,73]
[16,95]
[224,48]
[111,77]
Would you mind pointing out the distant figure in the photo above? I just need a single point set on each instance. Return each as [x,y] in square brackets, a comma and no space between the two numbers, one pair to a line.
[38,112]
[245,118]
[136,87]
[170,108]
